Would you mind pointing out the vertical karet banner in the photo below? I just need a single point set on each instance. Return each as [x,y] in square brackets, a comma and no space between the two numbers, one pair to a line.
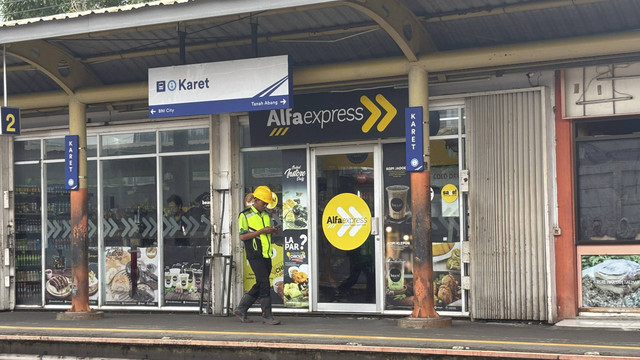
[294,288]
[71,162]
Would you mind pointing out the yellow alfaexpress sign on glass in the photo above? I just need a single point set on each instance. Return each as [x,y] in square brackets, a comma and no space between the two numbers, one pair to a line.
[346,221]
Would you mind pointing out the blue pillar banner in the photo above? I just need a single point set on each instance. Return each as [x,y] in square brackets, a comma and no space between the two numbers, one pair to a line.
[71,162]
[413,138]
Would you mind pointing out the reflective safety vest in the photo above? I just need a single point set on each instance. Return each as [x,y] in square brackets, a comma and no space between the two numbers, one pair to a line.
[251,219]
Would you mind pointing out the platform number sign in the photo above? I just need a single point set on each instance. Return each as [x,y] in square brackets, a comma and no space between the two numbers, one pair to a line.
[10,121]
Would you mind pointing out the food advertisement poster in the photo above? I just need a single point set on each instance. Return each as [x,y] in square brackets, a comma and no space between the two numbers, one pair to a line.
[295,206]
[276,276]
[131,285]
[58,285]
[182,275]
[611,281]
[293,286]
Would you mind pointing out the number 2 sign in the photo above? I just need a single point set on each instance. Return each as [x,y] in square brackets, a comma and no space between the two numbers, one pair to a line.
[10,121]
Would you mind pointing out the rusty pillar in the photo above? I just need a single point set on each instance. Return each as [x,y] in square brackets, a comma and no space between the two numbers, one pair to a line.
[423,303]
[79,241]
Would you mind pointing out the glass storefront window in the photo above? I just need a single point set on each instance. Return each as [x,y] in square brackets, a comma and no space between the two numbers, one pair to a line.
[129,190]
[186,227]
[448,122]
[26,150]
[128,144]
[131,247]
[54,148]
[58,236]
[92,146]
[184,140]
[608,173]
[266,168]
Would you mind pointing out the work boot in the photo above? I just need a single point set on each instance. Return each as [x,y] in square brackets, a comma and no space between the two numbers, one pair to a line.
[267,316]
[241,310]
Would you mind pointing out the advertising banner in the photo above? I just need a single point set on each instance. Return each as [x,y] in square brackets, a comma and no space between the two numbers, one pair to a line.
[325,117]
[295,213]
[611,281]
[221,87]
[58,276]
[398,235]
[131,276]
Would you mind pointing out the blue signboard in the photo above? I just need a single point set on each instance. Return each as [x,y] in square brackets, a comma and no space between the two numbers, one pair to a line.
[71,162]
[10,121]
[413,138]
[221,87]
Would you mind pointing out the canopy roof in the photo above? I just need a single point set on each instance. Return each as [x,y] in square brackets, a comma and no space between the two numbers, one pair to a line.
[117,46]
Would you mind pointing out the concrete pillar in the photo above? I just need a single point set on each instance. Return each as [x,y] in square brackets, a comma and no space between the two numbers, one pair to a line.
[7,225]
[424,314]
[221,137]
[79,239]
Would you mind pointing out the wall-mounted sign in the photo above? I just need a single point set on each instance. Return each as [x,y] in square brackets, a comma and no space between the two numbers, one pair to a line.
[71,162]
[221,87]
[10,121]
[326,117]
[413,138]
[346,221]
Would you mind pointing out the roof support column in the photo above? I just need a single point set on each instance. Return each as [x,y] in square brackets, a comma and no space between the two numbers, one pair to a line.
[79,239]
[424,314]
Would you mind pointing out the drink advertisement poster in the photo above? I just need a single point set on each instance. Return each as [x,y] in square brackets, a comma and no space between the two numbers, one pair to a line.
[397,229]
[183,273]
[399,237]
[611,281]
[294,286]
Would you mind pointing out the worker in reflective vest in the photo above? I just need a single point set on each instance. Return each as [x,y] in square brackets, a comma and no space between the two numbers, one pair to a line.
[255,232]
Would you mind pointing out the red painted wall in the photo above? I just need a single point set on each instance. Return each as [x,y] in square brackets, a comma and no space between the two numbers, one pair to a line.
[565,248]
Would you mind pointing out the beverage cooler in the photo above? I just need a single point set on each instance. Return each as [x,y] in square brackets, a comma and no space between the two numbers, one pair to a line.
[28,247]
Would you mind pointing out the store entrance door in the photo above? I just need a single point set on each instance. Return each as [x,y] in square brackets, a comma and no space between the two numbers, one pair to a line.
[345,188]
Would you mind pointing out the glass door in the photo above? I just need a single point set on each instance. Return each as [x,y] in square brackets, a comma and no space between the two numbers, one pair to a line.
[345,186]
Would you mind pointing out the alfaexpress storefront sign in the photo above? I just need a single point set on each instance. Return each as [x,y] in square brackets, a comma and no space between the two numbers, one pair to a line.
[325,117]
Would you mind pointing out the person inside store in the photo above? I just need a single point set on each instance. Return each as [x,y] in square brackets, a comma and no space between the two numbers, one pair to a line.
[176,212]
[255,232]
[360,261]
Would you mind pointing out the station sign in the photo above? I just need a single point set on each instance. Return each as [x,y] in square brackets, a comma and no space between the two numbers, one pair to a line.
[71,162]
[10,121]
[413,138]
[221,87]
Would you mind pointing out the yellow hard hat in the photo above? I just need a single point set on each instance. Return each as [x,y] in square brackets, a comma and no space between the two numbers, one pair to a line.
[264,193]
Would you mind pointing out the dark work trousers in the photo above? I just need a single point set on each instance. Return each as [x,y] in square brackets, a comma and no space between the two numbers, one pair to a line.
[262,269]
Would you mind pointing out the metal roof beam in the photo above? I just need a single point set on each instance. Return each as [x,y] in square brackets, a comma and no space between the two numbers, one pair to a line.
[114,19]
[67,72]
[555,52]
[400,23]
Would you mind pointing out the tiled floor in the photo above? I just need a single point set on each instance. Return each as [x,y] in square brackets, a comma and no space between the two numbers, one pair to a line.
[627,323]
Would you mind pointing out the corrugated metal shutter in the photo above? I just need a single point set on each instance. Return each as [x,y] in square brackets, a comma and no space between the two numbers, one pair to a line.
[509,229]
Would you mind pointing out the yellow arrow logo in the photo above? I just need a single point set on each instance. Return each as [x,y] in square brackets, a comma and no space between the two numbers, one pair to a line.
[375,113]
